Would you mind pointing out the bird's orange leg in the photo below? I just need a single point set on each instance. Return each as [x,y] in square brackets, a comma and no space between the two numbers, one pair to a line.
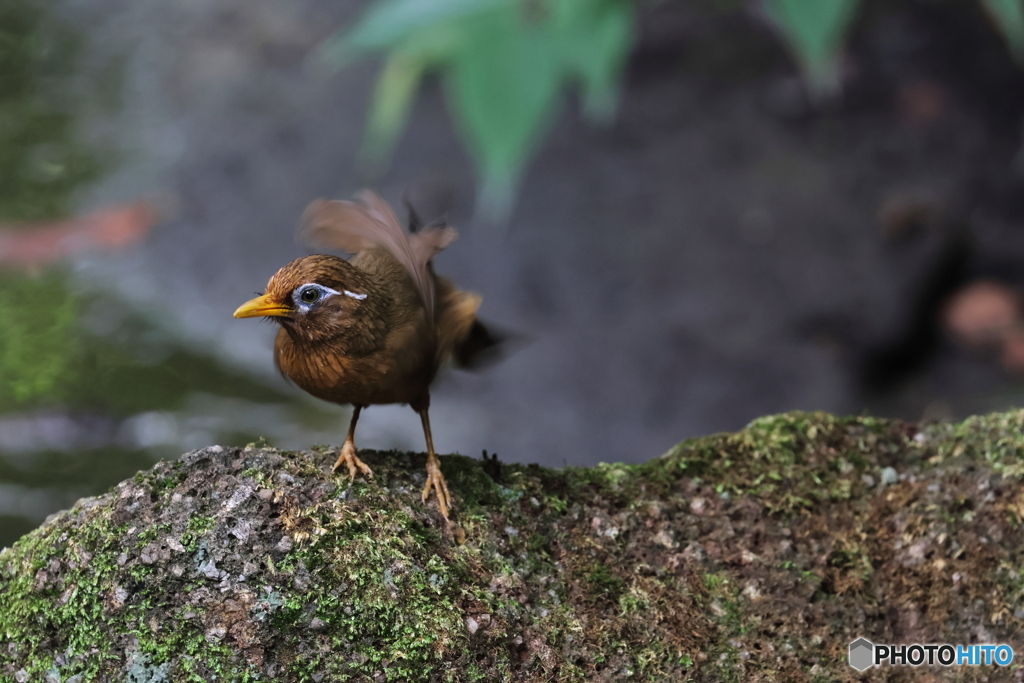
[348,451]
[435,480]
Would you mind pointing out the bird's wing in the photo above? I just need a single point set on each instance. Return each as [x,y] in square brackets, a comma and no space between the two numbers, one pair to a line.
[357,226]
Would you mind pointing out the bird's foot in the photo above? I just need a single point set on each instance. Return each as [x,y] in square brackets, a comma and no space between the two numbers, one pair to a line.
[435,481]
[348,457]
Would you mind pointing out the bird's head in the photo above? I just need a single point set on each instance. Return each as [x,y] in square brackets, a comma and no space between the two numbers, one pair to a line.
[315,297]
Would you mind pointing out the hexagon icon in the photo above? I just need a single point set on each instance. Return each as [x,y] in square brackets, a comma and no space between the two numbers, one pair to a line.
[862,653]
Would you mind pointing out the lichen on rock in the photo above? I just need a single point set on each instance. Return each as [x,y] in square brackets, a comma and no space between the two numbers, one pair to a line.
[757,555]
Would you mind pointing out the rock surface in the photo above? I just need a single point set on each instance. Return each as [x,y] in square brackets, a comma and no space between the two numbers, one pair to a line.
[757,555]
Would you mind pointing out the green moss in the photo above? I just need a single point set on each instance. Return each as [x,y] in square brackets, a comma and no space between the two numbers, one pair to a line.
[198,525]
[477,490]
[789,462]
[396,607]
[688,566]
[55,605]
[851,558]
[994,439]
[603,583]
[152,532]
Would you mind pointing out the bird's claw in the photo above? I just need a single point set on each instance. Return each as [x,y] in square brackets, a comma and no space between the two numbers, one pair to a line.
[435,481]
[348,457]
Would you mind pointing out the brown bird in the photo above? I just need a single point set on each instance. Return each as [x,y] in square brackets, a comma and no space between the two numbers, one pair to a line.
[373,329]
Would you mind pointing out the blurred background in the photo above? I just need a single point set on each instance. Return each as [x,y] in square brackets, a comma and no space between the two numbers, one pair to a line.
[692,212]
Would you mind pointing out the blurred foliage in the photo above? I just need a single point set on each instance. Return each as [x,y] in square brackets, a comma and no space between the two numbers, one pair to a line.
[41,159]
[48,356]
[36,349]
[814,31]
[504,64]
[1009,17]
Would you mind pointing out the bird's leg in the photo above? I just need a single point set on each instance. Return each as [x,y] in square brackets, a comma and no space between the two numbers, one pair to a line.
[348,451]
[435,480]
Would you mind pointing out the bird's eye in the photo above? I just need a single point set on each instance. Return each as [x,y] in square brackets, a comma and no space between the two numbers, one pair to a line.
[309,295]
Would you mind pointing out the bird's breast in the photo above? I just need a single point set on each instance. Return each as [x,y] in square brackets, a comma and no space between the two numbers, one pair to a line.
[390,375]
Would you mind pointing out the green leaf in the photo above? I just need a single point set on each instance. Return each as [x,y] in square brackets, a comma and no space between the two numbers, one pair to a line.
[594,38]
[389,110]
[1009,17]
[503,61]
[396,87]
[503,85]
[390,22]
[814,30]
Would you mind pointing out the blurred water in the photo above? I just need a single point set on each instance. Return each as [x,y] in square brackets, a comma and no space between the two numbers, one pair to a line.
[667,272]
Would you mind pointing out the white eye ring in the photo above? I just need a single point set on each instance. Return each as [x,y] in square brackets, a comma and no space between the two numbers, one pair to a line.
[320,291]
[324,292]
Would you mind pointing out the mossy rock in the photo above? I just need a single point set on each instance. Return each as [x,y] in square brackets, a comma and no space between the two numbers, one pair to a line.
[757,555]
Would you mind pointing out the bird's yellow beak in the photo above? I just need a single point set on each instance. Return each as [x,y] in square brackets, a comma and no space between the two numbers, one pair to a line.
[262,307]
